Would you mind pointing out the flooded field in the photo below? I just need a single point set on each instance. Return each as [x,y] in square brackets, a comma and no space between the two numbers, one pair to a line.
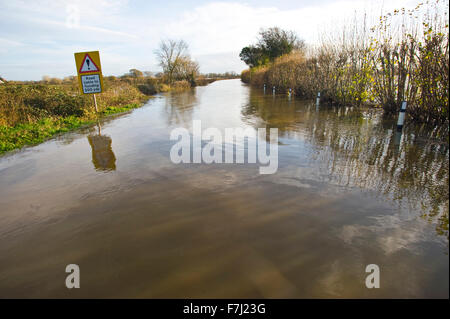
[349,191]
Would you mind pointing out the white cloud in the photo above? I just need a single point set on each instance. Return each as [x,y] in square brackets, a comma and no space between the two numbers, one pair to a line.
[221,26]
[215,31]
[220,62]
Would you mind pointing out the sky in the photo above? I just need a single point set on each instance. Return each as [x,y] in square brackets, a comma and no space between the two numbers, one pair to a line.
[39,37]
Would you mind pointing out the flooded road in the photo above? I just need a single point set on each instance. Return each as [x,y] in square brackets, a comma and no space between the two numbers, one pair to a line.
[348,192]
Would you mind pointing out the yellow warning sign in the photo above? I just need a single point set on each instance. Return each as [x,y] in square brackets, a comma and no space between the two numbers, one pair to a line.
[89,72]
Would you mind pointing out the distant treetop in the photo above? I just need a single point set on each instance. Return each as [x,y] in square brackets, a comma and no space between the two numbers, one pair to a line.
[272,43]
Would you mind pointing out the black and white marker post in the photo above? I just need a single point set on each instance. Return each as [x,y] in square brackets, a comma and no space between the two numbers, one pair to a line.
[318,99]
[264,88]
[401,117]
[273,90]
[398,135]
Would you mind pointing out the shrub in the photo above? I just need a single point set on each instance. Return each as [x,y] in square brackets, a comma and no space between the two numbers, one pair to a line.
[181,85]
[245,76]
[405,57]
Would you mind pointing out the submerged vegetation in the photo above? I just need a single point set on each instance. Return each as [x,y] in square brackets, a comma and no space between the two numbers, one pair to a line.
[404,57]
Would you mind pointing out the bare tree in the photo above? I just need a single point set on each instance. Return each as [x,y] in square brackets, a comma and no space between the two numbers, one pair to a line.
[186,69]
[171,54]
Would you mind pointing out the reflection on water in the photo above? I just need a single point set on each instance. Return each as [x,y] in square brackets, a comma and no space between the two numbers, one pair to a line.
[358,147]
[179,107]
[348,192]
[103,156]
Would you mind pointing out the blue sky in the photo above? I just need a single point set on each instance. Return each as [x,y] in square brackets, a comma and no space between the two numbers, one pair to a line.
[39,37]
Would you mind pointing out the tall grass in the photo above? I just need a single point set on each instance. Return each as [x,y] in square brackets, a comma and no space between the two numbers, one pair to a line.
[404,57]
[29,103]
[410,54]
[33,112]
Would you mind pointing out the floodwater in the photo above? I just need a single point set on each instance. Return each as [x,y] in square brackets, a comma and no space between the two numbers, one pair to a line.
[348,192]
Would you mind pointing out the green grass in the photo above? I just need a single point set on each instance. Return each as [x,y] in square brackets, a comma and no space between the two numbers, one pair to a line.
[119,109]
[21,135]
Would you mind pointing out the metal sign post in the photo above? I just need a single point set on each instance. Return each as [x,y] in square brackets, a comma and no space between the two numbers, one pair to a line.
[89,72]
[95,103]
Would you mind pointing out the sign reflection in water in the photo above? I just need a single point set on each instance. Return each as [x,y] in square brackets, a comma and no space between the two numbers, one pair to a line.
[103,156]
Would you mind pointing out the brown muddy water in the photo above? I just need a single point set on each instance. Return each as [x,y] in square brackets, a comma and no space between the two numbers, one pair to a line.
[348,192]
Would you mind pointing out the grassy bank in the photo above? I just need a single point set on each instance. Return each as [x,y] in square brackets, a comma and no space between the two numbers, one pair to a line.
[13,137]
[403,58]
[33,133]
[20,135]
[30,113]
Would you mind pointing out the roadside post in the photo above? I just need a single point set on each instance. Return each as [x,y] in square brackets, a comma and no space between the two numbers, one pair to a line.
[264,88]
[95,103]
[398,138]
[90,78]
[401,117]
[318,99]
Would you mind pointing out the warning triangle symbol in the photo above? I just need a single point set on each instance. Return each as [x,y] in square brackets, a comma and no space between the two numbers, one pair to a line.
[88,65]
